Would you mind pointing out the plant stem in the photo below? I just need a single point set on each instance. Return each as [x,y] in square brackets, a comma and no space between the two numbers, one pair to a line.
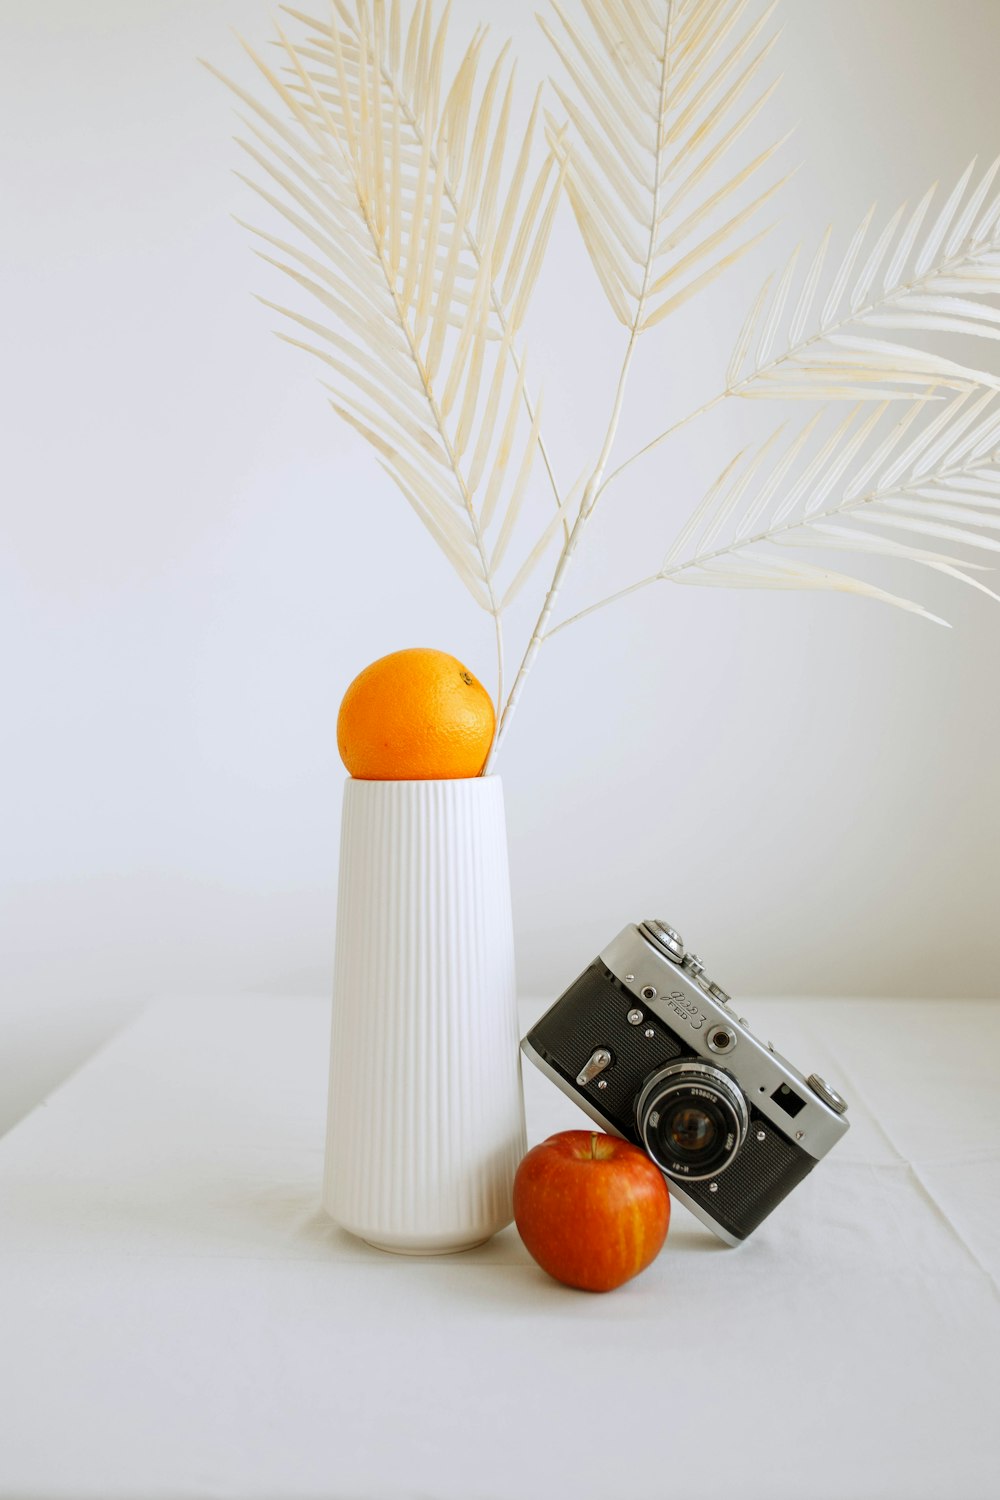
[661,437]
[631,588]
[566,556]
[592,491]
[500,684]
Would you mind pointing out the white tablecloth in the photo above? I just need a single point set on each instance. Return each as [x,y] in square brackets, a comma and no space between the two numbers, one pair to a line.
[178,1318]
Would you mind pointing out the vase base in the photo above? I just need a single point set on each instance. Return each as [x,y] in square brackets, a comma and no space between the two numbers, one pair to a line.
[428,1247]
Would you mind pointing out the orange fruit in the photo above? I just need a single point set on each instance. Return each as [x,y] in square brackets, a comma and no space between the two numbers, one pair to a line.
[415,715]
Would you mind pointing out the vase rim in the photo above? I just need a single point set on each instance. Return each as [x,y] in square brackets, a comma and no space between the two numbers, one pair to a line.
[422,780]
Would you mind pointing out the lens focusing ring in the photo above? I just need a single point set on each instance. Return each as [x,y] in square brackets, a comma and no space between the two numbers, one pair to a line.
[703,1087]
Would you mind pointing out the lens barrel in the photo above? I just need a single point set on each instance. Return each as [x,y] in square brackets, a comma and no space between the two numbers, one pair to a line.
[692,1119]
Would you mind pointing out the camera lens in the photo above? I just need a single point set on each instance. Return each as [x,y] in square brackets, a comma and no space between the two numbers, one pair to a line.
[692,1119]
[697,1136]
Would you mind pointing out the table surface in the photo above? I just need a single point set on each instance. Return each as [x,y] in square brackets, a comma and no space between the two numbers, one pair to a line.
[179,1318]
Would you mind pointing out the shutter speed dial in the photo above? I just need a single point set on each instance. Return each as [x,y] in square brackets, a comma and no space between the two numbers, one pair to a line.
[665,937]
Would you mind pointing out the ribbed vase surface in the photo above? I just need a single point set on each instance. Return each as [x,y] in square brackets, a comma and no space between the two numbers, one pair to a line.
[426,1120]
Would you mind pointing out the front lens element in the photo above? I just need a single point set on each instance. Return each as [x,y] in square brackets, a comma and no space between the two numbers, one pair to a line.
[691,1130]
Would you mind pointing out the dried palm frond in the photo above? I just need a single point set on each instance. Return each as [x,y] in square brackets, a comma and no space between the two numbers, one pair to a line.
[390,175]
[892,280]
[419,224]
[655,87]
[658,92]
[935,473]
[929,286]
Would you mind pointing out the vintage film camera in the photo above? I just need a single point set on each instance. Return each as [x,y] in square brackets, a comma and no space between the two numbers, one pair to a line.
[650,1047]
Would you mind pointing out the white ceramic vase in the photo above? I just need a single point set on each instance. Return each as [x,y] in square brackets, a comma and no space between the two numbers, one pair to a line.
[426,1119]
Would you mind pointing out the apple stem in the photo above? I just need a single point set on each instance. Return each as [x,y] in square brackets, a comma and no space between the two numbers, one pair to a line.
[593,1145]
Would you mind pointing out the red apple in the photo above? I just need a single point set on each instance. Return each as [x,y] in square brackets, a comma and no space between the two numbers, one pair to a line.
[592,1210]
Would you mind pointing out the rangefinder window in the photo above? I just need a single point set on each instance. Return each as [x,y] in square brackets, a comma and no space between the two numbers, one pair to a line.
[788,1100]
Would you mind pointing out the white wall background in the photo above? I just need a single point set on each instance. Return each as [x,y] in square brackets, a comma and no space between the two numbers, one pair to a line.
[196,558]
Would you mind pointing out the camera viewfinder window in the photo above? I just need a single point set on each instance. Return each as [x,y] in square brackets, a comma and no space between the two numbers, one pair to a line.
[788,1100]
